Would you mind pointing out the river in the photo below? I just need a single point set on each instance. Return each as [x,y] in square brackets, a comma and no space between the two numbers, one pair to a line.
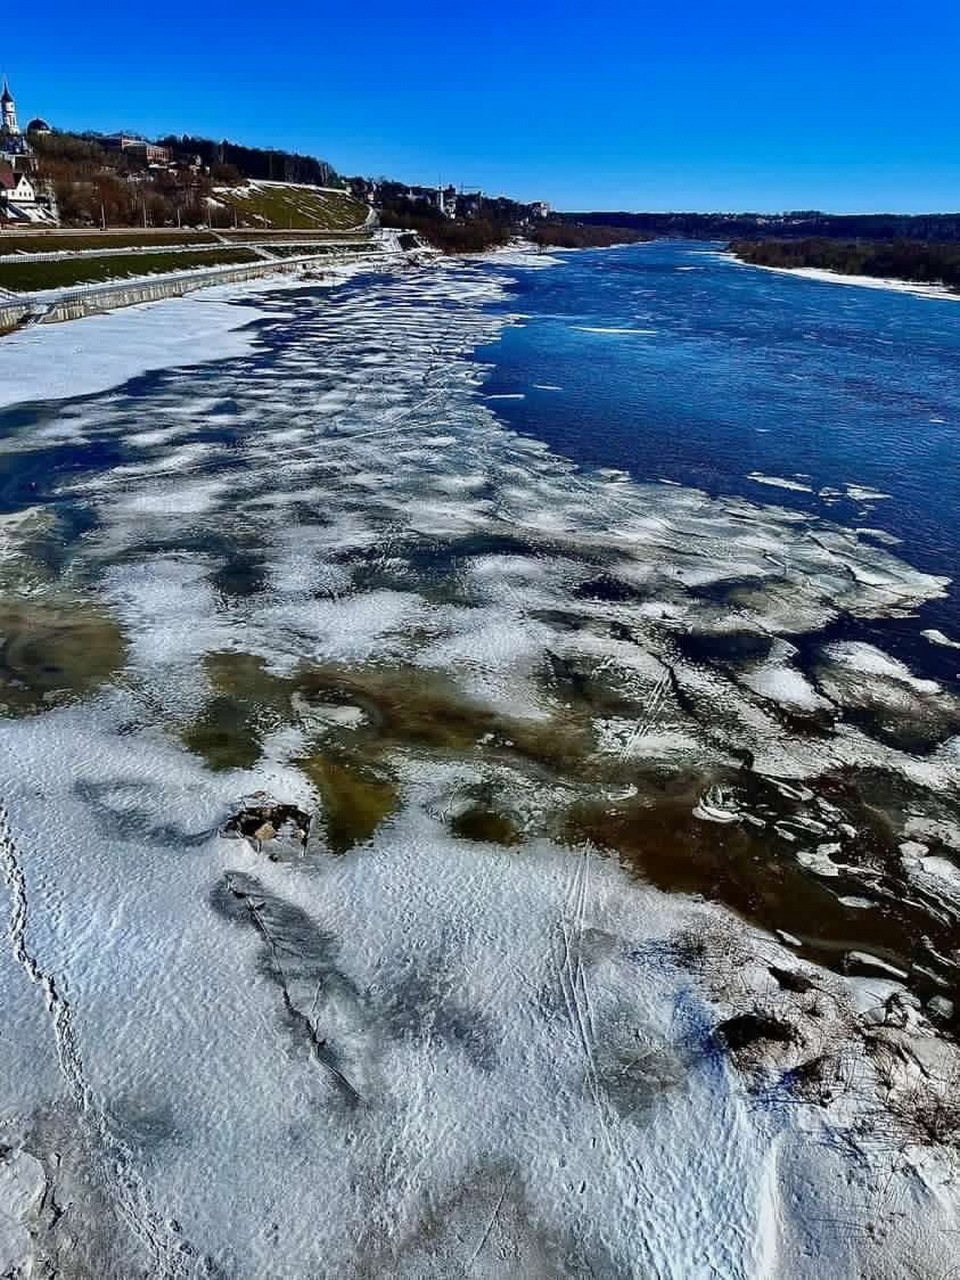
[594,611]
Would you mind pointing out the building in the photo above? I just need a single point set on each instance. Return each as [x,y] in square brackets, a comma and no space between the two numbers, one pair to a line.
[23,199]
[134,146]
[15,150]
[8,112]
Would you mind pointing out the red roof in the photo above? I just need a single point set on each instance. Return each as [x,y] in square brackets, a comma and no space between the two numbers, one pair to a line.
[8,179]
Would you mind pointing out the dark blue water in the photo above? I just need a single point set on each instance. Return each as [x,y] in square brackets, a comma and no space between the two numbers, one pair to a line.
[731,369]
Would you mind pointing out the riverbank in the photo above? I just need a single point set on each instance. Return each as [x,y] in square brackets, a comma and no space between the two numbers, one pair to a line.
[93,353]
[52,362]
[825,276]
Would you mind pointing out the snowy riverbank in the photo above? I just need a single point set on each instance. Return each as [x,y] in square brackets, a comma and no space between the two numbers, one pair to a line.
[914,287]
[92,354]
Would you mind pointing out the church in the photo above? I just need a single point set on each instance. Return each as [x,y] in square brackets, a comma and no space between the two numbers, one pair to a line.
[24,198]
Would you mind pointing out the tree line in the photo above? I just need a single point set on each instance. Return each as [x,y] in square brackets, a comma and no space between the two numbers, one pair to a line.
[449,235]
[94,184]
[232,162]
[501,220]
[568,235]
[799,224]
[894,259]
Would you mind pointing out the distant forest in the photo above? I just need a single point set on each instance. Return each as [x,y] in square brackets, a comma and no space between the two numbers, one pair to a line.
[566,235]
[896,259]
[800,224]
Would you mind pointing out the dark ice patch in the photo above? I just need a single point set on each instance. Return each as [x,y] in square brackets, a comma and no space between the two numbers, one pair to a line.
[422,1007]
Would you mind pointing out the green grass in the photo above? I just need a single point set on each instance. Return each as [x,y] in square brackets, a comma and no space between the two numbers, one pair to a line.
[290,207]
[55,241]
[26,276]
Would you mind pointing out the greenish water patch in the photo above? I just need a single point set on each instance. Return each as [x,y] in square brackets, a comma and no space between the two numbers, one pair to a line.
[226,736]
[247,700]
[485,817]
[245,676]
[486,825]
[50,654]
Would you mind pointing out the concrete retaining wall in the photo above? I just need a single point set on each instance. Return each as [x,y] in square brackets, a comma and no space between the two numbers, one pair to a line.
[70,304]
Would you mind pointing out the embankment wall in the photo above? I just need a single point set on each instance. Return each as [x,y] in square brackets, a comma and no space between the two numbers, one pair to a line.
[85,300]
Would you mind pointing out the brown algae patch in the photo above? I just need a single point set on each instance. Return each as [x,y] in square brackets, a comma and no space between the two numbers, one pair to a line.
[52,653]
[407,707]
[398,708]
[357,797]
[824,868]
[752,867]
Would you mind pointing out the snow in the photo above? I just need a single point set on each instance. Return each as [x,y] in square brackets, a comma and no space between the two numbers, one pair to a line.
[86,356]
[868,660]
[418,927]
[81,357]
[22,1183]
[775,678]
[864,493]
[938,637]
[918,290]
[779,482]
[638,333]
[271,1057]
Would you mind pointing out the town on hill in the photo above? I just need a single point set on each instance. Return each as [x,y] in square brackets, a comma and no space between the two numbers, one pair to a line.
[52,177]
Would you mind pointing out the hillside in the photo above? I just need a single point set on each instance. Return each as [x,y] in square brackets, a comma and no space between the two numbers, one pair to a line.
[187,182]
[286,206]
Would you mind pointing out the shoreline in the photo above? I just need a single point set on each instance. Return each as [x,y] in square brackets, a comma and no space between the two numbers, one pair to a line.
[40,362]
[939,292]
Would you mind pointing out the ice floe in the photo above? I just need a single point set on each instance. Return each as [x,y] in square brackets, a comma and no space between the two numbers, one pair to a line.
[779,482]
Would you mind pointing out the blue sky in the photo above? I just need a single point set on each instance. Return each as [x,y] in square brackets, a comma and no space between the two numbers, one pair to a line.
[601,104]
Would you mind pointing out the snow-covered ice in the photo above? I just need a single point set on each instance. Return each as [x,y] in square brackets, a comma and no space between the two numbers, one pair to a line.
[452,1050]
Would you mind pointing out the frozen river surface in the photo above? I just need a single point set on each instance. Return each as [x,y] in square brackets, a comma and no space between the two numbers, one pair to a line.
[596,611]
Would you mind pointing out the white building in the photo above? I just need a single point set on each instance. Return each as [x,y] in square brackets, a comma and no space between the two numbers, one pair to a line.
[23,200]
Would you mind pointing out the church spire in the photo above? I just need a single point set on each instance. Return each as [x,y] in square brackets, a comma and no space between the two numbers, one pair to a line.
[8,110]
